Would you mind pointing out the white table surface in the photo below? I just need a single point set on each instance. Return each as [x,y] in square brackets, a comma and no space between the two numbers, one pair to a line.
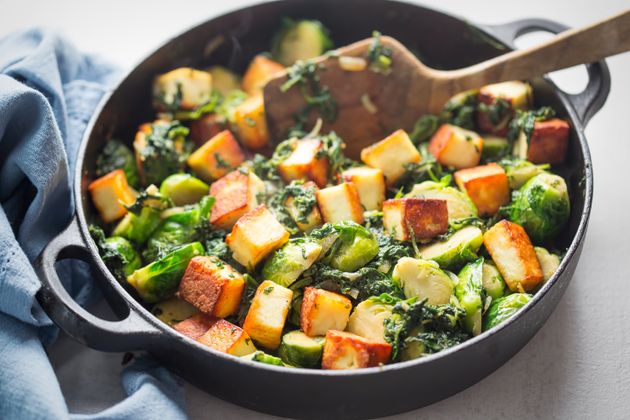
[577,366]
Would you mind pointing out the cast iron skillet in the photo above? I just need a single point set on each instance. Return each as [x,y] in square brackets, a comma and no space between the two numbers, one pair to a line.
[442,41]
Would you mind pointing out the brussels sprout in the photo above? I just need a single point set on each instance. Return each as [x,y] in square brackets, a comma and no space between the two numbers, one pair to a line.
[173,310]
[298,349]
[355,247]
[300,40]
[115,155]
[461,247]
[458,203]
[117,253]
[160,279]
[368,319]
[423,280]
[548,262]
[143,216]
[503,308]
[224,80]
[179,226]
[494,147]
[287,263]
[413,347]
[492,281]
[262,357]
[519,171]
[184,189]
[541,206]
[469,294]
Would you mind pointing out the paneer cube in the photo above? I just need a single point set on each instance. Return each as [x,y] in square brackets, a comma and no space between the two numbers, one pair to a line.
[344,350]
[340,202]
[391,154]
[268,313]
[195,326]
[260,71]
[370,184]
[419,218]
[251,124]
[306,163]
[456,147]
[514,255]
[224,80]
[235,194]
[255,235]
[322,311]
[212,286]
[216,157]
[206,127]
[548,144]
[110,193]
[486,185]
[227,338]
[492,116]
[182,88]
[305,223]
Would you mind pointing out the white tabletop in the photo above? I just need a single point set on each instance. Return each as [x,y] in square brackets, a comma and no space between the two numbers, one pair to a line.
[577,366]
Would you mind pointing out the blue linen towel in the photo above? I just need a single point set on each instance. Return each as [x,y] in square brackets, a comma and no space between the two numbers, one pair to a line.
[48,91]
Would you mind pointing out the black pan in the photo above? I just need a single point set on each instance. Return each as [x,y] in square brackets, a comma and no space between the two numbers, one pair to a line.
[442,41]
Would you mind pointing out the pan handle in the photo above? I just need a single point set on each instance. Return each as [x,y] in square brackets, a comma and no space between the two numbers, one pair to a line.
[132,332]
[592,98]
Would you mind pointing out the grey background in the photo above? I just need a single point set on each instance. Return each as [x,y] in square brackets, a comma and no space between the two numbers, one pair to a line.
[577,366]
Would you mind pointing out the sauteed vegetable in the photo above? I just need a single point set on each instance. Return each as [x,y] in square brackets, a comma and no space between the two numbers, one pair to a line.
[292,253]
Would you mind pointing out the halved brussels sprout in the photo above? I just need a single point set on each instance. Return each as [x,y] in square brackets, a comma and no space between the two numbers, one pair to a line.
[424,280]
[455,251]
[414,347]
[298,349]
[541,206]
[492,281]
[173,310]
[368,319]
[184,189]
[160,279]
[548,262]
[355,247]
[458,203]
[289,262]
[503,308]
[262,357]
[469,294]
[117,253]
[519,171]
[300,40]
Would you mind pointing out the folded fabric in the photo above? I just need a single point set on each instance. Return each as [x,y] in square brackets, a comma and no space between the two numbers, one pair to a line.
[48,92]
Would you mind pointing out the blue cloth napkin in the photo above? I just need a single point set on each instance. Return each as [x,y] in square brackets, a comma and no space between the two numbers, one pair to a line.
[48,91]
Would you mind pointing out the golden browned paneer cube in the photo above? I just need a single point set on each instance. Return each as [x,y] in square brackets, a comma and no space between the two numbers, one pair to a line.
[250,123]
[548,144]
[370,184]
[514,255]
[456,147]
[206,127]
[421,218]
[195,326]
[227,338]
[310,221]
[110,193]
[340,202]
[306,163]
[260,71]
[322,311]
[212,286]
[391,154]
[486,185]
[344,350]
[268,313]
[216,157]
[235,194]
[516,94]
[256,235]
[182,88]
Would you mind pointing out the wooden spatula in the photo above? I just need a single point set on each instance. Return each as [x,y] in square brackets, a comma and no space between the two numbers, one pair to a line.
[373,104]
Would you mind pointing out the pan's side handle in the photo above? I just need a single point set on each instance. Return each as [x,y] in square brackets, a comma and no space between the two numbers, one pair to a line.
[131,333]
[592,98]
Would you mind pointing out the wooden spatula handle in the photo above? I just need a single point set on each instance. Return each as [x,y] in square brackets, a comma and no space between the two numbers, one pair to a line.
[575,46]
